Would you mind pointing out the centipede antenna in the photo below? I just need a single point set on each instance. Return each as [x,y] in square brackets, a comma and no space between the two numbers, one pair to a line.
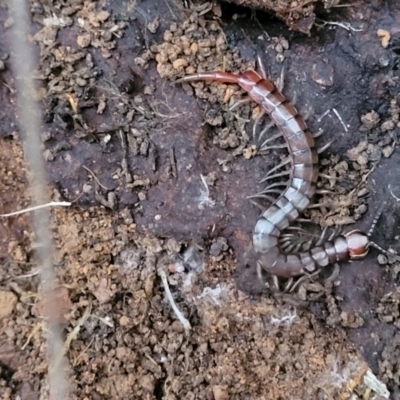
[277,146]
[383,251]
[238,103]
[323,148]
[376,218]
[318,134]
[273,137]
[284,173]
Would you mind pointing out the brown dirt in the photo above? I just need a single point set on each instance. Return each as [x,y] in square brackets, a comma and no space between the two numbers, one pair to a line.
[134,154]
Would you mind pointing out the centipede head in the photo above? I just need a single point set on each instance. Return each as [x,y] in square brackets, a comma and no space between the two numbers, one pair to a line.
[358,244]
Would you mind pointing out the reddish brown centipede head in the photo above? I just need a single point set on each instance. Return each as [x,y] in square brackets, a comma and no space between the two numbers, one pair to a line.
[248,79]
[358,244]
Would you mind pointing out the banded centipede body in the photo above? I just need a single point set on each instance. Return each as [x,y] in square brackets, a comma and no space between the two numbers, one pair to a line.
[301,187]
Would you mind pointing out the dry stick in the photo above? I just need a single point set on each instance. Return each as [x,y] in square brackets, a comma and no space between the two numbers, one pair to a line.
[34,208]
[29,120]
[184,321]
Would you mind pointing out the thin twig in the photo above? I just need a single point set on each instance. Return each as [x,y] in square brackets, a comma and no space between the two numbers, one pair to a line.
[340,119]
[34,208]
[345,25]
[184,321]
[95,178]
[24,65]
[72,336]
[393,195]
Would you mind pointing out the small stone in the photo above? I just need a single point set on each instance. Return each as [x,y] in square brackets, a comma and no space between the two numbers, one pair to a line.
[142,196]
[180,62]
[81,82]
[103,293]
[83,40]
[153,25]
[219,246]
[387,151]
[140,62]
[384,35]
[60,300]
[124,321]
[387,126]
[220,392]
[370,120]
[382,259]
[362,159]
[362,192]
[8,301]
[322,73]
[48,155]
[168,36]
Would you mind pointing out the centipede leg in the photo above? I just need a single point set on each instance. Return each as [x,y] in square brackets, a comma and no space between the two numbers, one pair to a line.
[256,123]
[259,273]
[323,148]
[275,282]
[281,80]
[304,278]
[318,134]
[288,285]
[319,205]
[335,273]
[279,166]
[261,68]
[239,103]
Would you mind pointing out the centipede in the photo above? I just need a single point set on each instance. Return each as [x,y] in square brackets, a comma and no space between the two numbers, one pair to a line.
[300,188]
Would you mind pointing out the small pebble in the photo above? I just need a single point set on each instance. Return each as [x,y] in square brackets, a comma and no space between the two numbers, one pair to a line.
[382,259]
[387,151]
